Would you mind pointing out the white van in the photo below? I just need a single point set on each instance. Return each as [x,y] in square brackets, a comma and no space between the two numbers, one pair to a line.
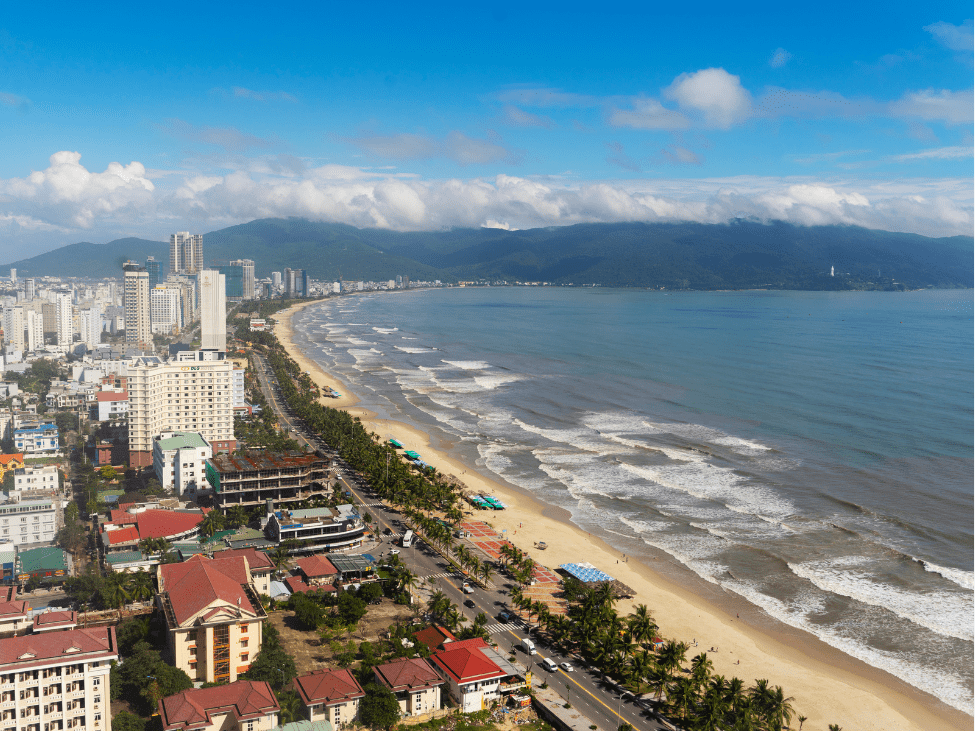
[549,664]
[528,646]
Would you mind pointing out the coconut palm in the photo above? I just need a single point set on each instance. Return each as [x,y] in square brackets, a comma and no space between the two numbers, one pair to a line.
[115,592]
[236,516]
[486,572]
[140,586]
[701,669]
[211,523]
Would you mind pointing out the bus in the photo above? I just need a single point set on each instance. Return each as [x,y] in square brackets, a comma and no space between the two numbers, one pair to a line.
[408,539]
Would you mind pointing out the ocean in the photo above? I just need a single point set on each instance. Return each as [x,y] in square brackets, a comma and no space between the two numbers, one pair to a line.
[810,452]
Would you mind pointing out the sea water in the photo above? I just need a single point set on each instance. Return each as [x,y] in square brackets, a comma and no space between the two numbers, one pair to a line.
[809,452]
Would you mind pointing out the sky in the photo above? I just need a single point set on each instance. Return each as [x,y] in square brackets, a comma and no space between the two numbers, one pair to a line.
[118,120]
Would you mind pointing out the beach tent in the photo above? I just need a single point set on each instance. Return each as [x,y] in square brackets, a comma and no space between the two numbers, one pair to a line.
[396,444]
[411,454]
[585,572]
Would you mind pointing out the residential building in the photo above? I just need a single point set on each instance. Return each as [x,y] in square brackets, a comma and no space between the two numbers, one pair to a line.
[54,622]
[165,312]
[260,564]
[244,705]
[185,253]
[41,477]
[152,267]
[58,680]
[330,695]
[190,393]
[179,459]
[238,391]
[256,477]
[111,405]
[10,462]
[473,679]
[90,326]
[414,682]
[213,615]
[40,440]
[213,310]
[23,522]
[316,570]
[276,280]
[65,319]
[14,328]
[136,303]
[14,613]
[319,529]
[129,525]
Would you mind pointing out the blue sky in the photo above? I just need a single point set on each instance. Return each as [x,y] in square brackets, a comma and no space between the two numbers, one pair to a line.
[121,121]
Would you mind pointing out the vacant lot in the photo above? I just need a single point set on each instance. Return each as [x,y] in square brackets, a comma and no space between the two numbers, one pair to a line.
[308,651]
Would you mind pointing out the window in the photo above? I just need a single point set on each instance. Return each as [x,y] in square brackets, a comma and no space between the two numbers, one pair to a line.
[244,656]
[243,643]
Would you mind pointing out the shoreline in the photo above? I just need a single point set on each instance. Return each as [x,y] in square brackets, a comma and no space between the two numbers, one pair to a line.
[828,685]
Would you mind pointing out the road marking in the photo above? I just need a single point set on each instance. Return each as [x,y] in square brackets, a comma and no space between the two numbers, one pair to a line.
[442,575]
[501,627]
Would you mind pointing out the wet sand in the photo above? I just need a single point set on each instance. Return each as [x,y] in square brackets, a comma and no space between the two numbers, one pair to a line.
[827,685]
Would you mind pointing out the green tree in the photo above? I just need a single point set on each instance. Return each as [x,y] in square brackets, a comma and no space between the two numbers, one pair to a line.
[125,721]
[351,608]
[272,664]
[290,707]
[378,709]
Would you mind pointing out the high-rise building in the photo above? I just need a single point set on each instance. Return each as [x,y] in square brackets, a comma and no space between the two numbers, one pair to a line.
[29,287]
[185,253]
[186,286]
[240,279]
[35,330]
[165,312]
[247,266]
[90,326]
[276,280]
[136,302]
[65,315]
[152,266]
[190,393]
[13,328]
[13,274]
[301,282]
[213,310]
[289,282]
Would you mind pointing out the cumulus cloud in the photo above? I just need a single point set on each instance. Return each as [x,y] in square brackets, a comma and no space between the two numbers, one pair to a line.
[67,195]
[780,58]
[229,138]
[516,117]
[69,198]
[455,146]
[956,37]
[716,94]
[933,105]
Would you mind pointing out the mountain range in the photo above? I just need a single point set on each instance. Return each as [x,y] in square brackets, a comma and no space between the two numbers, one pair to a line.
[740,254]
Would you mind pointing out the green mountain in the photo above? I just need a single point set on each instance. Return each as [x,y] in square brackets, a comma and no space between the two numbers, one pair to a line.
[740,254]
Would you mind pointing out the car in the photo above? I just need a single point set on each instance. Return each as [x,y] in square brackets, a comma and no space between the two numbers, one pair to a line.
[469,603]
[394,552]
[567,666]
[504,616]
[549,664]
[387,532]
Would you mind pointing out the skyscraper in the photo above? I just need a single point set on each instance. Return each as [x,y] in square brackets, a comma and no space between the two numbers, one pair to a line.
[301,281]
[65,316]
[276,280]
[90,326]
[165,311]
[29,287]
[13,327]
[240,279]
[152,266]
[185,253]
[247,266]
[289,282]
[213,310]
[138,329]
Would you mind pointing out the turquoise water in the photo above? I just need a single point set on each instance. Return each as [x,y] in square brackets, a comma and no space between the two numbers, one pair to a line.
[810,452]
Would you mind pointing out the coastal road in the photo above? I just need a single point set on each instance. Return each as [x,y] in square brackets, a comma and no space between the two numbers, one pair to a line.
[582,687]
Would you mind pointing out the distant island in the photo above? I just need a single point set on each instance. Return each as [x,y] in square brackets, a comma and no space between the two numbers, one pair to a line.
[741,254]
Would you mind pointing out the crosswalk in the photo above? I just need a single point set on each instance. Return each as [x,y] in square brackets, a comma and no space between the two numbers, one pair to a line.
[442,575]
[493,629]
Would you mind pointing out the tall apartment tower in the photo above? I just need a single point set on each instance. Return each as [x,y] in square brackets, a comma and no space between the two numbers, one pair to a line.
[247,277]
[65,316]
[289,282]
[90,326]
[13,327]
[185,253]
[152,266]
[213,310]
[30,286]
[136,303]
[276,280]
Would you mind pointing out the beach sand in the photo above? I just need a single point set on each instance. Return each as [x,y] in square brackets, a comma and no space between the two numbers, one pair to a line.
[827,685]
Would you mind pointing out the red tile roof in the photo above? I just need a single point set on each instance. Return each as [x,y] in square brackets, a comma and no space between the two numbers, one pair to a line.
[166,523]
[200,582]
[316,567]
[121,516]
[6,459]
[14,608]
[32,649]
[434,636]
[244,699]
[407,673]
[328,686]
[465,663]
[55,618]
[256,560]
[121,535]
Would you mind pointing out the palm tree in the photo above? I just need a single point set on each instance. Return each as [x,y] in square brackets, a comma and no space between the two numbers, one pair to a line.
[115,591]
[236,516]
[486,572]
[780,709]
[801,719]
[641,624]
[140,586]
[835,727]
[279,557]
[211,523]
[701,669]
[681,696]
[671,657]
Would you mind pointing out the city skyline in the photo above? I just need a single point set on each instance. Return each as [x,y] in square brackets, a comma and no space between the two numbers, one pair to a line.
[504,117]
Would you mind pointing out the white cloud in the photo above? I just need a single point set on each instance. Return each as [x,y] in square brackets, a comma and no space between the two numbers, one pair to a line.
[780,58]
[715,93]
[939,153]
[955,37]
[933,105]
[66,194]
[520,118]
[648,114]
[455,146]
[70,203]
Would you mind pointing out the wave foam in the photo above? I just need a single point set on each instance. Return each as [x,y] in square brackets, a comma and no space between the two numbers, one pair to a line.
[468,365]
[964,579]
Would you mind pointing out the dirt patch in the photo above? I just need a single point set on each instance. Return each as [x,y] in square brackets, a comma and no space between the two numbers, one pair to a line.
[306,647]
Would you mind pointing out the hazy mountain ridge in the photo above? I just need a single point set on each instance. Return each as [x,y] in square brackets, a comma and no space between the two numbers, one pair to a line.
[673,255]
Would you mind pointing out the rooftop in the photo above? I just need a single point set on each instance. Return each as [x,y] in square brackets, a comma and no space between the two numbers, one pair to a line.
[200,582]
[316,567]
[464,661]
[182,440]
[244,699]
[352,562]
[328,686]
[48,558]
[258,461]
[32,649]
[407,674]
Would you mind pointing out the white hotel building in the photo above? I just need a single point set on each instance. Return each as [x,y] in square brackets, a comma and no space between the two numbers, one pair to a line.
[192,393]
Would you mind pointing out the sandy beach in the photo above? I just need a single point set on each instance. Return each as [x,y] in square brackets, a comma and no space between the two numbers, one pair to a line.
[827,686]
